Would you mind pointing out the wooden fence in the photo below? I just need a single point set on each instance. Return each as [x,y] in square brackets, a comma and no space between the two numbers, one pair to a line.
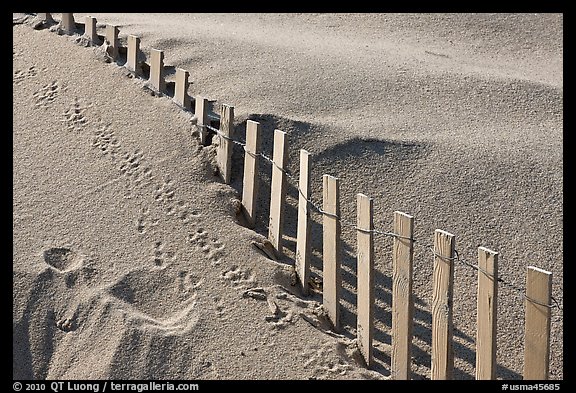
[538,293]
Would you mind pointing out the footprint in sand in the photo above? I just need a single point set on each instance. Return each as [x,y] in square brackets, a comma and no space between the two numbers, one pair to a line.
[66,324]
[106,141]
[16,53]
[219,306]
[164,195]
[188,282]
[328,359]
[239,278]
[164,299]
[48,93]
[74,115]
[212,248]
[21,75]
[162,257]
[136,175]
[145,222]
[63,259]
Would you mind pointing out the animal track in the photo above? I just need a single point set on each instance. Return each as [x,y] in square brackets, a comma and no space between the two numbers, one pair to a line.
[66,324]
[48,93]
[328,359]
[144,221]
[16,53]
[161,256]
[105,140]
[74,116]
[164,194]
[137,176]
[188,282]
[129,163]
[21,75]
[239,278]
[219,307]
[212,248]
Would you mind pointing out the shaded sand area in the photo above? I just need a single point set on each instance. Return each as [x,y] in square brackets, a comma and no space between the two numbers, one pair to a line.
[128,258]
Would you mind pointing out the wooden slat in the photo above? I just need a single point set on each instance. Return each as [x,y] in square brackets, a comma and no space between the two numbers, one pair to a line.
[303,240]
[332,280]
[133,53]
[402,297]
[181,89]
[112,40]
[67,23]
[224,154]
[250,184]
[442,352]
[278,191]
[537,329]
[486,318]
[157,70]
[365,274]
[201,113]
[90,29]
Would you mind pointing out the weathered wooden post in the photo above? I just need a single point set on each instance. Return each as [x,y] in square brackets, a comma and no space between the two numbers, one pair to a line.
[303,241]
[224,153]
[67,23]
[278,191]
[332,280]
[133,53]
[201,113]
[487,312]
[181,89]
[47,17]
[250,184]
[537,329]
[365,274]
[402,297]
[157,70]
[112,41]
[442,325]
[90,29]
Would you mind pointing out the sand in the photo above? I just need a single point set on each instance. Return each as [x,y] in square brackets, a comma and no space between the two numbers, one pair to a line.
[130,261]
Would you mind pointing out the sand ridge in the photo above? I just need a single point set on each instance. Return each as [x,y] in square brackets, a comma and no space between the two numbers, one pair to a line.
[140,159]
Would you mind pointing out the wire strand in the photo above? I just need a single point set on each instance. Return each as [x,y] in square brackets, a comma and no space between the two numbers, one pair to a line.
[316,207]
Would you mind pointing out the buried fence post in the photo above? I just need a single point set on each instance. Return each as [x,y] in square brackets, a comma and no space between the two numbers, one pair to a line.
[224,153]
[442,325]
[537,330]
[402,297]
[250,183]
[111,40]
[46,17]
[365,273]
[181,89]
[303,241]
[67,23]
[487,312]
[90,29]
[201,113]
[157,70]
[133,54]
[332,276]
[278,191]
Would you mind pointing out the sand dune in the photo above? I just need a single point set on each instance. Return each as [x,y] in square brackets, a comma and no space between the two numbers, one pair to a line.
[128,258]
